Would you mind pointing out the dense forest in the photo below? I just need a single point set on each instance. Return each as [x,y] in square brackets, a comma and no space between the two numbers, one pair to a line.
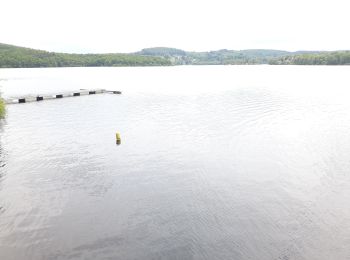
[323,58]
[220,57]
[253,56]
[19,57]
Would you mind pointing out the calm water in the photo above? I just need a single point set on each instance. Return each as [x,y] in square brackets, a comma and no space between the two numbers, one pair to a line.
[216,162]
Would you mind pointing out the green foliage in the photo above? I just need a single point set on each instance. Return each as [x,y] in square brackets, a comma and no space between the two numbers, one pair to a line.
[253,56]
[2,108]
[220,57]
[162,51]
[18,57]
[320,58]
[236,57]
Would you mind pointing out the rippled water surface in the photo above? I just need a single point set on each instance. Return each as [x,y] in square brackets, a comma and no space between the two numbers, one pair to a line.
[216,162]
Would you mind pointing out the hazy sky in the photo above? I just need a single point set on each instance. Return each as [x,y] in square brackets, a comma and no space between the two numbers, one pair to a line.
[130,25]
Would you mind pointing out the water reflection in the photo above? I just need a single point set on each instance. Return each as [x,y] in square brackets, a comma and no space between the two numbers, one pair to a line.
[249,172]
[2,166]
[2,156]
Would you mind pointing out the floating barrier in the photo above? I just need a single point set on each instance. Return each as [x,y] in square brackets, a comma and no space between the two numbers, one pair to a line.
[82,92]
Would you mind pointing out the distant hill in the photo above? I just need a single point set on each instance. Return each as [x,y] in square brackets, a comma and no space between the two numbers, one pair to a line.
[250,56]
[180,57]
[161,51]
[18,57]
[318,58]
[236,57]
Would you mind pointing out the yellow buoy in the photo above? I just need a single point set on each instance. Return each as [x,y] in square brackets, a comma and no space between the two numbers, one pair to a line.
[117,137]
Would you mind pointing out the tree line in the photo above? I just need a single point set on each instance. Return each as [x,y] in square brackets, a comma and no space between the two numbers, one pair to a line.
[322,58]
[18,57]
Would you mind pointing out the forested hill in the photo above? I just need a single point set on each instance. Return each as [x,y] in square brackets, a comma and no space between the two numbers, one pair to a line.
[220,57]
[257,56]
[19,57]
[323,58]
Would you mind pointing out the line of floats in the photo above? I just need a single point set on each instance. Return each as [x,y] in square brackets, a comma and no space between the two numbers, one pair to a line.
[35,98]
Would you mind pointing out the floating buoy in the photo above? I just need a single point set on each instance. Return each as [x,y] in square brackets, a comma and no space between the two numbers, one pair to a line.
[117,137]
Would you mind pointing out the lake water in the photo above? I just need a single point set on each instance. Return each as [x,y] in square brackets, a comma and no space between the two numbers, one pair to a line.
[215,162]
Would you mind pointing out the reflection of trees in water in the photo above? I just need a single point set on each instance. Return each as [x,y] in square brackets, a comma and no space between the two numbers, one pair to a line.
[2,159]
[2,162]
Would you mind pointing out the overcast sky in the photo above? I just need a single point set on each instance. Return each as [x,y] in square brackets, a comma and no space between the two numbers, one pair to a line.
[130,25]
